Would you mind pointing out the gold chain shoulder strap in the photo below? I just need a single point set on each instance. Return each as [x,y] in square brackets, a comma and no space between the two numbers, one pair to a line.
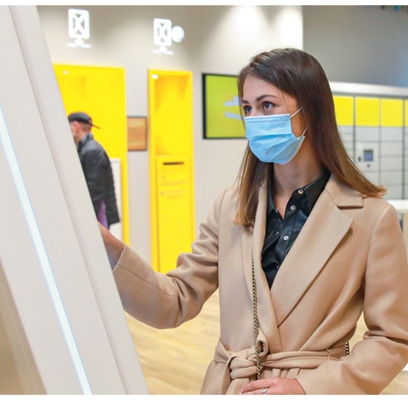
[256,322]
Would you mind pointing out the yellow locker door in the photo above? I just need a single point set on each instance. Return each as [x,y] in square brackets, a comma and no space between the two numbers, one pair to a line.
[344,106]
[173,208]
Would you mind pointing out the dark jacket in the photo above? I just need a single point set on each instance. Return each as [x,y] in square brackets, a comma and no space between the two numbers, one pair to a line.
[98,175]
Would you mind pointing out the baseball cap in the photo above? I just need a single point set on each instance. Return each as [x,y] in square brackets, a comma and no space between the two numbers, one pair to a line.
[81,117]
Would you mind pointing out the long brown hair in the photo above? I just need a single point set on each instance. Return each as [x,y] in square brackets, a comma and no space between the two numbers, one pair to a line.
[300,75]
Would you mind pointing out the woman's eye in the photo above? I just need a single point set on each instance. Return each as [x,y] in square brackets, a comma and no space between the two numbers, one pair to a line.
[247,110]
[267,105]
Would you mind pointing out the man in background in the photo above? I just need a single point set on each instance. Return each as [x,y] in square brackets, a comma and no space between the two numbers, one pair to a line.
[97,169]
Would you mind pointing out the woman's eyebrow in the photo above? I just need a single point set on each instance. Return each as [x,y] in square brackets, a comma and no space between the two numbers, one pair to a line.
[259,98]
[265,95]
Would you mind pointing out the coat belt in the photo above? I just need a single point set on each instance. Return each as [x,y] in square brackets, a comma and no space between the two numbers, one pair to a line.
[242,364]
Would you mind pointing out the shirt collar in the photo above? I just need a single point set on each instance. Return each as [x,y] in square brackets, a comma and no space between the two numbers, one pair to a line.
[84,139]
[312,190]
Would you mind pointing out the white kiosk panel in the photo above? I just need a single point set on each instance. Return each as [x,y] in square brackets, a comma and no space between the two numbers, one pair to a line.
[61,322]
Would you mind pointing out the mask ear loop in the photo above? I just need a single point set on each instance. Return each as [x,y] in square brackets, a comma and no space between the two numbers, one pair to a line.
[295,112]
[303,134]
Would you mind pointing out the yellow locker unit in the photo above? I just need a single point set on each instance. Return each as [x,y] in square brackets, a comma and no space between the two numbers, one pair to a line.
[171,166]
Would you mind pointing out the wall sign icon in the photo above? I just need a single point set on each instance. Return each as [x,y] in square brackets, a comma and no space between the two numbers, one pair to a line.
[78,27]
[164,34]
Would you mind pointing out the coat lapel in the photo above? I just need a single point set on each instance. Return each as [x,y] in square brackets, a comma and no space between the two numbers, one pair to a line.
[252,239]
[319,237]
[252,243]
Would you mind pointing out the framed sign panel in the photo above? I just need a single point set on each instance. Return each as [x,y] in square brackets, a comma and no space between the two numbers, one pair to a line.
[221,113]
[137,133]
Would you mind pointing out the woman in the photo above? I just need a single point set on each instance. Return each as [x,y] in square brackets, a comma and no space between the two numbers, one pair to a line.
[298,249]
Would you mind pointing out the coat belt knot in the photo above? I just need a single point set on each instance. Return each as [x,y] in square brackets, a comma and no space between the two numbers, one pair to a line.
[242,364]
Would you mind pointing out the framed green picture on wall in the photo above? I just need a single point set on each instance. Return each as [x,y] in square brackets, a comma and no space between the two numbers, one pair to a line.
[221,114]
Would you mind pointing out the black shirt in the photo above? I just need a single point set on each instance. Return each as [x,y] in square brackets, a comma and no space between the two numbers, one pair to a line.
[281,233]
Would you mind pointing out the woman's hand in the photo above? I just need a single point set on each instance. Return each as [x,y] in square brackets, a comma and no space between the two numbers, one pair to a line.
[113,245]
[274,385]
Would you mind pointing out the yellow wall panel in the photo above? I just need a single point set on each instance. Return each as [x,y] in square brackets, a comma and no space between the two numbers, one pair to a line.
[171,166]
[344,106]
[367,111]
[100,92]
[391,112]
[171,92]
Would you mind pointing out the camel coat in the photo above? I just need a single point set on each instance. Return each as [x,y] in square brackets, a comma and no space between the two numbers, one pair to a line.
[349,258]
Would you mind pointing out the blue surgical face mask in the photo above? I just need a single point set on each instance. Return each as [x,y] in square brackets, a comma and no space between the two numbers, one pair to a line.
[271,138]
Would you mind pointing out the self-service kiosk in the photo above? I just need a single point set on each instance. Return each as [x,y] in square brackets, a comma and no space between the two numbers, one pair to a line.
[62,326]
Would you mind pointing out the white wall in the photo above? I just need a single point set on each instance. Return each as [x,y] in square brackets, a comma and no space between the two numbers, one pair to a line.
[364,44]
[218,39]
